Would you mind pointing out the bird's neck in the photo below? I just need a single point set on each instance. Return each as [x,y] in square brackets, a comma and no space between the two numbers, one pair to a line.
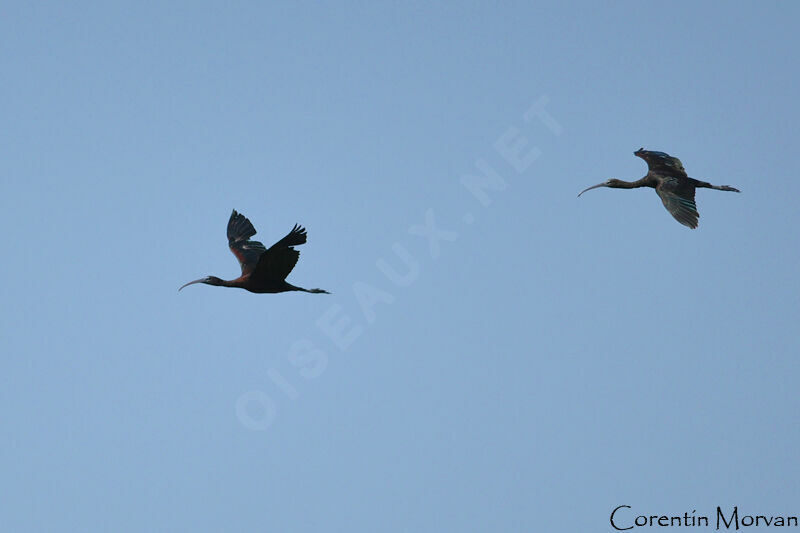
[238,282]
[644,182]
[218,282]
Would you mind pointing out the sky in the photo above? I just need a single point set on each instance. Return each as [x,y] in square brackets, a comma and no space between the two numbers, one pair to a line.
[502,357]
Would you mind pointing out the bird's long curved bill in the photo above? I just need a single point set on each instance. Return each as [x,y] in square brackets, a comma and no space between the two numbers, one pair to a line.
[590,188]
[193,282]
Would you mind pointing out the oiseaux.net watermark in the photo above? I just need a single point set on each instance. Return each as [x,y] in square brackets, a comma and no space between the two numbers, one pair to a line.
[512,154]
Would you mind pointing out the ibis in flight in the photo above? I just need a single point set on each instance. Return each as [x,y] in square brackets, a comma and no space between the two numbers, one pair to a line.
[263,270]
[676,189]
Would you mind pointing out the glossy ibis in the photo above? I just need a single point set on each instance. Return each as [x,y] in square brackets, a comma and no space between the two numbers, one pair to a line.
[263,270]
[666,175]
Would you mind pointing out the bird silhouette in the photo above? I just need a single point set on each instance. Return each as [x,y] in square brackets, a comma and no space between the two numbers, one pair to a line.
[675,188]
[263,270]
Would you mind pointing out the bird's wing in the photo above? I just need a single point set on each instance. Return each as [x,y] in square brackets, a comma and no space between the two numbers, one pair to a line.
[276,263]
[246,251]
[678,198]
[664,162]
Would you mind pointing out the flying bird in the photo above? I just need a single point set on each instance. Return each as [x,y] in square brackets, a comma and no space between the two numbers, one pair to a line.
[263,270]
[675,188]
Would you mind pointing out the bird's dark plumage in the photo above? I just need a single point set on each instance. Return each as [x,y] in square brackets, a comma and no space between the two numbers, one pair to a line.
[280,259]
[246,251]
[263,270]
[675,188]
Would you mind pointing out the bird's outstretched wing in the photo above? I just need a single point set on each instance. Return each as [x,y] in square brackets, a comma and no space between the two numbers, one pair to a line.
[246,251]
[661,161]
[678,197]
[276,263]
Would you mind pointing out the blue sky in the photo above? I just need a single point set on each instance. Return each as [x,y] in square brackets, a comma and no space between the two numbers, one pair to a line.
[542,361]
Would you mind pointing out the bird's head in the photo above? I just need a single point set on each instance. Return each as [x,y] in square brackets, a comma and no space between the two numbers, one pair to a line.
[208,280]
[608,183]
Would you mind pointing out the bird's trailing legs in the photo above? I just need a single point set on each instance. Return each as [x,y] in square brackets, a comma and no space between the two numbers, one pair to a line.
[707,185]
[287,287]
